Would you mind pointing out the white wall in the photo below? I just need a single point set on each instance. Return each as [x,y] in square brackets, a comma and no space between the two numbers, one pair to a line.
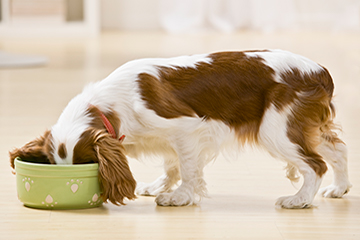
[259,14]
[335,14]
[130,14]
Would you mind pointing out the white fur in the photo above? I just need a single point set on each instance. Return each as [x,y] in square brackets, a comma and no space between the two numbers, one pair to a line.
[273,135]
[281,61]
[336,156]
[71,124]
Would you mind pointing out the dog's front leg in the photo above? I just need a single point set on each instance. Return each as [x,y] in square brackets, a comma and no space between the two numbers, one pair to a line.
[165,182]
[191,159]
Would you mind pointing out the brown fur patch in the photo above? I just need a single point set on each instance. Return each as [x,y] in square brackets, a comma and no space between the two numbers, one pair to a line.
[97,146]
[305,82]
[62,151]
[114,173]
[84,151]
[233,89]
[39,150]
[281,95]
[312,112]
[157,96]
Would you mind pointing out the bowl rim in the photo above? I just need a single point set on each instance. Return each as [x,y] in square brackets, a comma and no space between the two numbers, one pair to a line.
[53,167]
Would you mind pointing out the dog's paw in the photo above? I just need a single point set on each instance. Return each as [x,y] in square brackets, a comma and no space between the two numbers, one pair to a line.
[335,191]
[294,202]
[147,189]
[176,198]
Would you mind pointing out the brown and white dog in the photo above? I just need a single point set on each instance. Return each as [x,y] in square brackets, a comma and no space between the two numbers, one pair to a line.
[187,109]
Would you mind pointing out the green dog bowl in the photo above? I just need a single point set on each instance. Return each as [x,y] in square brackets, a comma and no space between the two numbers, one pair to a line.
[58,186]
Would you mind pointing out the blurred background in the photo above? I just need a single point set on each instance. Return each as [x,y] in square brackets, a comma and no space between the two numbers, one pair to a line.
[228,16]
[172,26]
[90,17]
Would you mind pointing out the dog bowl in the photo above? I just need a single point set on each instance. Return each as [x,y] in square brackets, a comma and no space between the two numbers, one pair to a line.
[58,186]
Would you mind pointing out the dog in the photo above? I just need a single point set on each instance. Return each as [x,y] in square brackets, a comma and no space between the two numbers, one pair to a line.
[187,110]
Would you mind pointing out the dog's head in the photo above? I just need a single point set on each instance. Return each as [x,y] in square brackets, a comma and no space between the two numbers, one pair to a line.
[92,144]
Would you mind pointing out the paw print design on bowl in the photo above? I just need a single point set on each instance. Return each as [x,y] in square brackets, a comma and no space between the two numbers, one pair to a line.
[49,201]
[28,183]
[95,200]
[74,185]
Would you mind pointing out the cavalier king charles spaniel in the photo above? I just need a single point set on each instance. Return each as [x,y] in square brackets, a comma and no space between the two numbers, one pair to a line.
[187,110]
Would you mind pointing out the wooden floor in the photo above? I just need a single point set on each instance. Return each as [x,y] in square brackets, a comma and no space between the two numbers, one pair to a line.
[242,192]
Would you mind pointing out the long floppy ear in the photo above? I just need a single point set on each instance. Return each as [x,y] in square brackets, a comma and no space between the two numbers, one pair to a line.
[115,176]
[38,151]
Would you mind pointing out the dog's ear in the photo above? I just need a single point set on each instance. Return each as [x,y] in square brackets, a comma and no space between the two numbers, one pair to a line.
[37,151]
[115,176]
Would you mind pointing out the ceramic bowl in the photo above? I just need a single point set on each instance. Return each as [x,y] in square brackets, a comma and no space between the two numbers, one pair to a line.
[48,186]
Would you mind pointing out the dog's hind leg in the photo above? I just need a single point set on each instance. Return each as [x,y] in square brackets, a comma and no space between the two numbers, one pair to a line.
[274,136]
[305,196]
[334,152]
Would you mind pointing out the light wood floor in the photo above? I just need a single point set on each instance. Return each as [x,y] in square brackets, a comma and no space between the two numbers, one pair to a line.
[242,192]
